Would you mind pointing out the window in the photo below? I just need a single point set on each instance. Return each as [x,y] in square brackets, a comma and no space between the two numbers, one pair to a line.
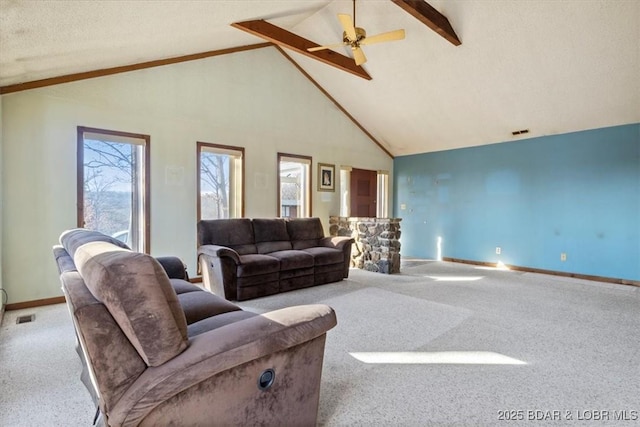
[383,194]
[220,181]
[294,183]
[345,196]
[113,185]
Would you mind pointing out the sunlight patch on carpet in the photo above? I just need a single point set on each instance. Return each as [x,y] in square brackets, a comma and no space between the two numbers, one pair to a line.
[437,358]
[372,319]
[455,278]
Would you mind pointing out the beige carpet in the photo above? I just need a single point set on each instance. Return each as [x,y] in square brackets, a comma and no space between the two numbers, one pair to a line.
[440,344]
[40,375]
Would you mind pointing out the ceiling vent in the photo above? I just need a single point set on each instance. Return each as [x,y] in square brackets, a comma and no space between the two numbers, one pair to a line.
[519,132]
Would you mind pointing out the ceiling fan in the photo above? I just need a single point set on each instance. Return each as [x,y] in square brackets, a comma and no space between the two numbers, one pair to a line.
[355,37]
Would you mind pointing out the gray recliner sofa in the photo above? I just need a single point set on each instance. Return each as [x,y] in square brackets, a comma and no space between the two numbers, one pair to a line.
[158,350]
[247,258]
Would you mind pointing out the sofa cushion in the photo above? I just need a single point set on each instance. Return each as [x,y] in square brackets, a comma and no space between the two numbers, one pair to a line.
[304,232]
[218,321]
[137,292]
[325,256]
[271,235]
[293,260]
[182,286]
[252,265]
[236,233]
[200,305]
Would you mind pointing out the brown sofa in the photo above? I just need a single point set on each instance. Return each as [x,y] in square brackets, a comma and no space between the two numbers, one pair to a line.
[162,351]
[248,258]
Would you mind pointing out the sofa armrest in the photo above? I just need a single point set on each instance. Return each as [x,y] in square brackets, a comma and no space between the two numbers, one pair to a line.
[218,266]
[220,350]
[218,252]
[343,243]
[174,267]
[64,262]
[337,242]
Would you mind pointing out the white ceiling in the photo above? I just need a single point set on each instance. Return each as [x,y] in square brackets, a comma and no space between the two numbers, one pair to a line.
[551,66]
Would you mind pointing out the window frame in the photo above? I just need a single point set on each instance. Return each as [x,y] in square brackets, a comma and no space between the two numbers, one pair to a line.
[293,157]
[221,147]
[146,187]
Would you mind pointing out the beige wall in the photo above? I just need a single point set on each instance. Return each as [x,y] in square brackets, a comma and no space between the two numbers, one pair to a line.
[255,99]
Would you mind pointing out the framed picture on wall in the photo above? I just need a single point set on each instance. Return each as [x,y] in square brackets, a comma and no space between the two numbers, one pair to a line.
[326,177]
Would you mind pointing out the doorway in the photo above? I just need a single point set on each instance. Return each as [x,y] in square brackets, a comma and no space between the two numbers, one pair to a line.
[363,193]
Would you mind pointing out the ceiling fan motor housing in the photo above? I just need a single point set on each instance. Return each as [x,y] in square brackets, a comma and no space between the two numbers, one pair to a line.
[360,35]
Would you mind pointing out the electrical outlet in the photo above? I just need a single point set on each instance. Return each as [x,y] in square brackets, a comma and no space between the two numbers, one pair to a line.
[563,256]
[498,250]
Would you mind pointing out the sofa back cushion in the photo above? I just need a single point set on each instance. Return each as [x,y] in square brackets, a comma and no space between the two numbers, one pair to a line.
[304,232]
[271,235]
[74,238]
[138,294]
[236,233]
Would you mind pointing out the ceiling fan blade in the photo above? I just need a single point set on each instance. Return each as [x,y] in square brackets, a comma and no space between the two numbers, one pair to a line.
[329,46]
[384,37]
[347,25]
[358,55]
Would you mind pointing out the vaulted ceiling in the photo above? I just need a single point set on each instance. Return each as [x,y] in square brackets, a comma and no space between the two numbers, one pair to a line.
[547,66]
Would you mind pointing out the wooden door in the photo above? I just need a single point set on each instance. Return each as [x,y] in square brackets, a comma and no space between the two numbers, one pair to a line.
[363,193]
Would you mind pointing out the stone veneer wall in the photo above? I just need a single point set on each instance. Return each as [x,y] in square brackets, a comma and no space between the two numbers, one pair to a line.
[377,241]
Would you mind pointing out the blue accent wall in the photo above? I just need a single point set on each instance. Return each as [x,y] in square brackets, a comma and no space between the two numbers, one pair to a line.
[576,193]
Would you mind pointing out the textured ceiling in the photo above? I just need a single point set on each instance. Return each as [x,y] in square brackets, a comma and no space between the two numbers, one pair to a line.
[548,66]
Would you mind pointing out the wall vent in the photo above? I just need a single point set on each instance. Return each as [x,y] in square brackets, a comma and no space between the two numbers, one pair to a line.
[25,319]
[520,132]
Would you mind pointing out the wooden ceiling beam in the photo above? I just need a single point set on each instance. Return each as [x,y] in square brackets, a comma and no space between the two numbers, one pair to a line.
[433,19]
[284,38]
[17,87]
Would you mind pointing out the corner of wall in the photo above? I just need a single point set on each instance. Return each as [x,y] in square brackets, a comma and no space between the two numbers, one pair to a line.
[2,294]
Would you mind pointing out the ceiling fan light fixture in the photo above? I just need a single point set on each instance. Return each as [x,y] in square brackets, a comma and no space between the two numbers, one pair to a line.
[361,34]
[355,37]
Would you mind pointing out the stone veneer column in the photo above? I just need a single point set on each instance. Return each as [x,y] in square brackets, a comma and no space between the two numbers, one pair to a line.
[377,241]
